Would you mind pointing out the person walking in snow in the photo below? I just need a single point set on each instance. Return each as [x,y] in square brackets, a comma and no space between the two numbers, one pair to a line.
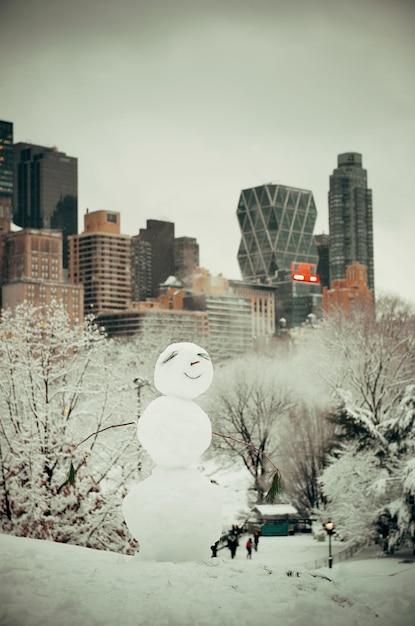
[233,544]
[249,548]
[214,549]
[257,534]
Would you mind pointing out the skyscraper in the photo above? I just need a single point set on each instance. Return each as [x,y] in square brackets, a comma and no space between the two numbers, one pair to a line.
[276,225]
[323,266]
[350,217]
[160,235]
[46,190]
[100,258]
[186,257]
[6,169]
[141,275]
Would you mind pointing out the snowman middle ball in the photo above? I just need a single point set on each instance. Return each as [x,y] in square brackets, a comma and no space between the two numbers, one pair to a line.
[175,432]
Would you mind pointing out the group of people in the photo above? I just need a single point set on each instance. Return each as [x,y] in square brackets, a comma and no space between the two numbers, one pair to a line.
[232,542]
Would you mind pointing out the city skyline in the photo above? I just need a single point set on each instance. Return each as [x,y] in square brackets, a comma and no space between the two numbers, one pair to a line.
[172,112]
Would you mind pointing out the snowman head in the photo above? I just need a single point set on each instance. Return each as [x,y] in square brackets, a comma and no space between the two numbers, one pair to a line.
[183,370]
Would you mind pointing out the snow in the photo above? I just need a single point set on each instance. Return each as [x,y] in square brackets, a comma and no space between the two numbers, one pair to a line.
[172,281]
[46,583]
[235,481]
[269,510]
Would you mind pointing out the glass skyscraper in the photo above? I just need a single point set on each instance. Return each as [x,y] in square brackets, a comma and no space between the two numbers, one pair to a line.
[277,224]
[6,169]
[350,217]
[46,190]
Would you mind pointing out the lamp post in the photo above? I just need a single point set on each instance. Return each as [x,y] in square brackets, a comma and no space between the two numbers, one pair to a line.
[139,384]
[329,528]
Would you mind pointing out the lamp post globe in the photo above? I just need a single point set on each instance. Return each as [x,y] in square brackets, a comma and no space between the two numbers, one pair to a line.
[329,528]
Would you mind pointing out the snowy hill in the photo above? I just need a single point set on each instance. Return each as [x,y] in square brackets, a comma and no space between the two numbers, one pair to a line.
[54,584]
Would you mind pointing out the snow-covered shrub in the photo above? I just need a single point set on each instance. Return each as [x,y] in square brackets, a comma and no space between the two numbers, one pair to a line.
[59,383]
[351,486]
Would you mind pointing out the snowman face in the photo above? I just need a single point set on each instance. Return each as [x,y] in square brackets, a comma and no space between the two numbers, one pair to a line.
[183,370]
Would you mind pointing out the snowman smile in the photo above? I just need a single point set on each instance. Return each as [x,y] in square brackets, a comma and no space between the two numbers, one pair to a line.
[192,377]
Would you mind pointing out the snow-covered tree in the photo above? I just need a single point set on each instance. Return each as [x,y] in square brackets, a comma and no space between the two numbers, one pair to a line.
[372,359]
[372,366]
[248,404]
[399,432]
[59,383]
[306,441]
[373,477]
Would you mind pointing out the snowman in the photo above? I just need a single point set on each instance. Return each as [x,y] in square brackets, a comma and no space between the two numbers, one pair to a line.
[175,514]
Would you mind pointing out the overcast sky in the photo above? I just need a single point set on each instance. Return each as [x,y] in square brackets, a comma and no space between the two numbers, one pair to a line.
[173,107]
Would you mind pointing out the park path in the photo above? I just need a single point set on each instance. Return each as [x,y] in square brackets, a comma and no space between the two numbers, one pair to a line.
[287,552]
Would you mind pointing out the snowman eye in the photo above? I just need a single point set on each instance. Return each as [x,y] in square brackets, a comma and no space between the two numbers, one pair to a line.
[170,357]
[204,355]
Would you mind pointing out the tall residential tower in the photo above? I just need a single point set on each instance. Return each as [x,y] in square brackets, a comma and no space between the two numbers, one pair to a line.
[350,218]
[100,258]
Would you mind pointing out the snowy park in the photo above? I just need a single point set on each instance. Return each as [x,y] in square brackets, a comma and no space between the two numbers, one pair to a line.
[125,467]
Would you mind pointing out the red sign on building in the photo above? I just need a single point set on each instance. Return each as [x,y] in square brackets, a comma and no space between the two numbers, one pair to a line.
[304,273]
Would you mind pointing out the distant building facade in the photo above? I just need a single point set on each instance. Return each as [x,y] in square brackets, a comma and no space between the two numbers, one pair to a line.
[349,294]
[160,235]
[5,227]
[204,283]
[276,224]
[263,307]
[100,259]
[32,271]
[6,169]
[141,269]
[186,257]
[350,218]
[229,322]
[323,266]
[211,314]
[46,190]
[230,325]
[176,324]
[296,300]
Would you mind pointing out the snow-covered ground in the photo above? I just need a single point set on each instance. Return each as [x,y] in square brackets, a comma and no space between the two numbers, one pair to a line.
[50,584]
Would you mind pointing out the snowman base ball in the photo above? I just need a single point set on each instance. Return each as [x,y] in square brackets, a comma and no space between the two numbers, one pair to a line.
[175,515]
